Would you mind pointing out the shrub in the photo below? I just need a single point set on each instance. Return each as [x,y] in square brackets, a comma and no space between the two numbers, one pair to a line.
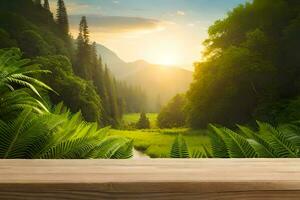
[32,44]
[143,122]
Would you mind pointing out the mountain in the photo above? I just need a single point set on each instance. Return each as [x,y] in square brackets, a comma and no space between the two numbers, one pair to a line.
[160,83]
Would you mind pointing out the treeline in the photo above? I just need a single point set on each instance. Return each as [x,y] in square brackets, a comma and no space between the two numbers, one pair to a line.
[117,97]
[79,76]
[251,69]
[135,99]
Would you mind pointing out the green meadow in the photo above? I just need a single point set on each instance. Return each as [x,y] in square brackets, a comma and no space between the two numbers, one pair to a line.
[155,142]
[130,119]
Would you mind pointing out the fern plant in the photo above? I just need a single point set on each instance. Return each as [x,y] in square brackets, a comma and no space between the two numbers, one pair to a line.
[35,133]
[58,136]
[17,75]
[268,142]
[179,148]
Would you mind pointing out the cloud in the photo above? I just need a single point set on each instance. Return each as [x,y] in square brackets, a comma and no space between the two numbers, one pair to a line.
[180,12]
[117,24]
[72,7]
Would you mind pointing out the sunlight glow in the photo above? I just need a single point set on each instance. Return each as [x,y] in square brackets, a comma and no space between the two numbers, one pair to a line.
[167,59]
[167,51]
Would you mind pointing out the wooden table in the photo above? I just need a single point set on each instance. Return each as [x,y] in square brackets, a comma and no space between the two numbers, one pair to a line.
[150,179]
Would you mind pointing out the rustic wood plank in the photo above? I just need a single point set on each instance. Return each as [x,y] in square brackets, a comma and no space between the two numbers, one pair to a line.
[150,179]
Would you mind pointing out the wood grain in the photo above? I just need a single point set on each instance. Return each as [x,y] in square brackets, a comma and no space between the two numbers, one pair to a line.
[150,179]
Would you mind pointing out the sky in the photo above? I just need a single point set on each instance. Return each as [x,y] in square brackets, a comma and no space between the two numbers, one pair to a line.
[168,32]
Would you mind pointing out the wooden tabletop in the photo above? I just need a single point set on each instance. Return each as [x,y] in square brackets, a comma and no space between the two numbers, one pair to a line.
[150,179]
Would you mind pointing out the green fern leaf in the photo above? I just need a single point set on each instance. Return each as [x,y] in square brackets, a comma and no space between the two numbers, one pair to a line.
[179,148]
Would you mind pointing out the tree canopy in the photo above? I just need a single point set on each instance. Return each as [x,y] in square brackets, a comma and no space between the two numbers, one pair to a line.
[250,63]
[173,114]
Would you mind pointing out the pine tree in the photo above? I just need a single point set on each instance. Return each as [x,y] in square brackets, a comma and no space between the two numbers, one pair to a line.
[94,61]
[83,66]
[119,100]
[46,5]
[62,17]
[98,80]
[84,30]
[143,122]
[111,97]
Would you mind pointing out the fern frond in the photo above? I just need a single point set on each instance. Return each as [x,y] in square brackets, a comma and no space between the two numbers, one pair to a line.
[179,148]
[279,142]
[219,147]
[261,146]
[111,147]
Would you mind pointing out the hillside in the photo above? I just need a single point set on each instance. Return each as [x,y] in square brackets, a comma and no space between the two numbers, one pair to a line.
[79,80]
[160,82]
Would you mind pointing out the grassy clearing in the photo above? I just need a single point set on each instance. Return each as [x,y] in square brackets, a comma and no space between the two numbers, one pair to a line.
[157,143]
[132,118]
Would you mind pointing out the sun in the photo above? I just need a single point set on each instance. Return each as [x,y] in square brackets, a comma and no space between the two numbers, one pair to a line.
[167,51]
[166,55]
[167,59]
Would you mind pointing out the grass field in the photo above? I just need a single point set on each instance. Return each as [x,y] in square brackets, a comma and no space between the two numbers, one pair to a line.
[157,143]
[132,118]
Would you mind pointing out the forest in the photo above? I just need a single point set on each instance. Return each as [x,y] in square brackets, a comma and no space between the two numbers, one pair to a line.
[59,99]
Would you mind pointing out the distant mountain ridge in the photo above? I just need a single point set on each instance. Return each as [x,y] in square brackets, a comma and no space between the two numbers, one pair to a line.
[160,83]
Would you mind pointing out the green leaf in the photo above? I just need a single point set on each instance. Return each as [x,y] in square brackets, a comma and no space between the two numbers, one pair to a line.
[219,147]
[278,141]
[179,148]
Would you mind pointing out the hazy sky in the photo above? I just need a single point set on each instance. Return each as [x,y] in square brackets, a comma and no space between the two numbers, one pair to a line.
[158,31]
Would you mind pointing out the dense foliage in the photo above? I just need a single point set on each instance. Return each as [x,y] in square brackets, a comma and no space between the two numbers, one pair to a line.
[76,93]
[29,130]
[251,65]
[32,27]
[79,75]
[173,114]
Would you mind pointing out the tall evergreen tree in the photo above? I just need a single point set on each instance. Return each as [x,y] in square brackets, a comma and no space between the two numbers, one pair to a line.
[99,78]
[99,82]
[111,97]
[83,64]
[46,4]
[62,17]
[94,61]
[84,30]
